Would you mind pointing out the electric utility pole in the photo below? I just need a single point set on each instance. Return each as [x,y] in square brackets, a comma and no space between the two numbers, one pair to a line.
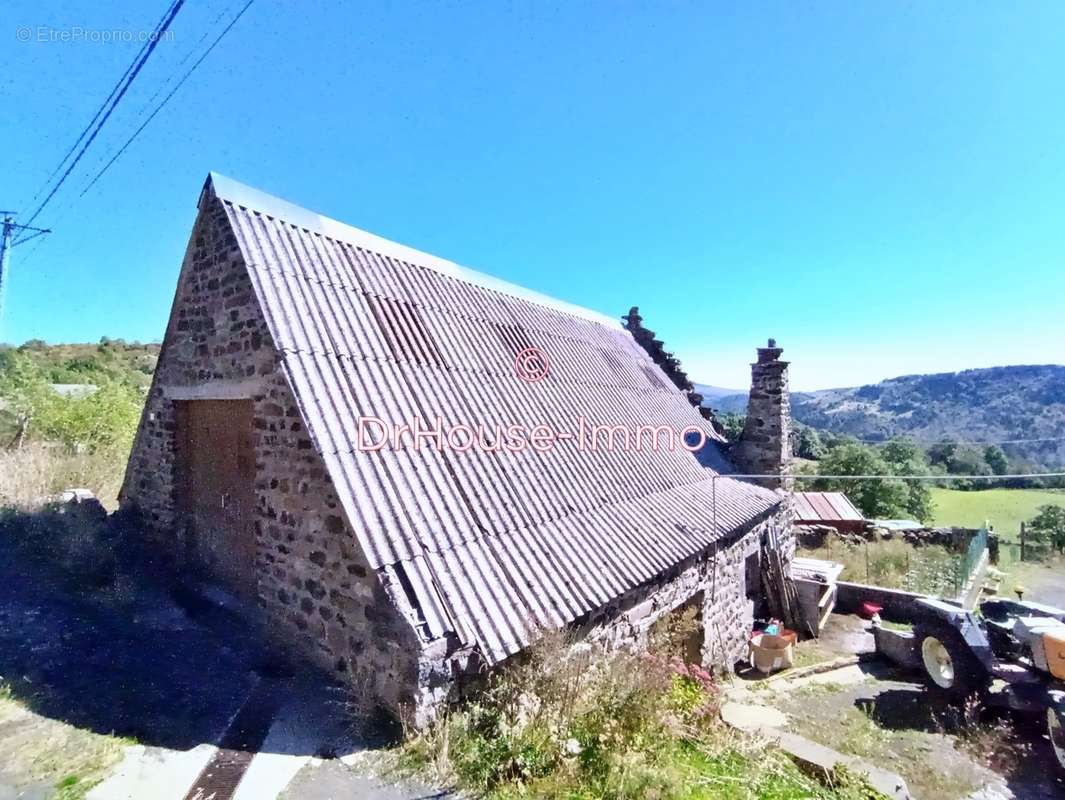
[8,241]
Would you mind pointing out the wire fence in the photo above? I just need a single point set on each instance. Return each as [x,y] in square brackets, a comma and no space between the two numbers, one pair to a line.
[943,568]
[970,558]
[895,563]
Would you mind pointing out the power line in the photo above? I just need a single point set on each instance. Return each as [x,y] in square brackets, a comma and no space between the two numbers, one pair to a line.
[203,37]
[7,234]
[131,75]
[166,99]
[963,443]
[1014,441]
[910,437]
[187,56]
[802,476]
[99,111]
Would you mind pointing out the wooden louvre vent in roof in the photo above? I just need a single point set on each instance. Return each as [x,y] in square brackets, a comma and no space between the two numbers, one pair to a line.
[488,545]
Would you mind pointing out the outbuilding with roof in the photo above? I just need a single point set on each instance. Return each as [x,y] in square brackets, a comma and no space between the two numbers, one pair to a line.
[268,460]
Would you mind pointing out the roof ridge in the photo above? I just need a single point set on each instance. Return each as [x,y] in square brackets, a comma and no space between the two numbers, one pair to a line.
[227,188]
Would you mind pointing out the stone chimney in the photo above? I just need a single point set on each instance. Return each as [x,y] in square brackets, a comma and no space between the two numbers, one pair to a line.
[764,447]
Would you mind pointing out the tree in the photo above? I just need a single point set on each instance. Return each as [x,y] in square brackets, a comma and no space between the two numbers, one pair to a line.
[1049,526]
[968,461]
[24,392]
[732,425]
[878,497]
[830,439]
[942,453]
[906,458]
[995,457]
[808,444]
[901,451]
[875,497]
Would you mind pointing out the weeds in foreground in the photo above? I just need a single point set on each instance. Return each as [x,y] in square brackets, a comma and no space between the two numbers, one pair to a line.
[830,715]
[990,741]
[37,470]
[568,721]
[893,564]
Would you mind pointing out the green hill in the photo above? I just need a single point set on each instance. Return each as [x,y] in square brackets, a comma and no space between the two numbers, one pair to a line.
[131,363]
[976,405]
[1005,508]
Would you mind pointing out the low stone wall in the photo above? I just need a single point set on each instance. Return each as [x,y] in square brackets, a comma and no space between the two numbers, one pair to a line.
[954,539]
[897,605]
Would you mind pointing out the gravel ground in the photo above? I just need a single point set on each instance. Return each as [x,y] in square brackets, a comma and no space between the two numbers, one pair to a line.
[889,718]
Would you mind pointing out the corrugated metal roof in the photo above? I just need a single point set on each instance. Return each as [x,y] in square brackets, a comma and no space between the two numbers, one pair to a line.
[825,507]
[492,545]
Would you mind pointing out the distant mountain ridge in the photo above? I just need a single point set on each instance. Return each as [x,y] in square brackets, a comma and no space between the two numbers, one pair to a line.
[715,392]
[976,405]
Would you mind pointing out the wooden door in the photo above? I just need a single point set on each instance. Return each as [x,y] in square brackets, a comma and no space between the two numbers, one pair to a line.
[216,465]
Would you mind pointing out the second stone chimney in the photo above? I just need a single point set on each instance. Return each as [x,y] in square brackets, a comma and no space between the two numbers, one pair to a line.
[764,447]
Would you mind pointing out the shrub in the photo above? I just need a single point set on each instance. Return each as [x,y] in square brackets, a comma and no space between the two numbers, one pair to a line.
[103,420]
[30,474]
[564,720]
[893,564]
[1048,526]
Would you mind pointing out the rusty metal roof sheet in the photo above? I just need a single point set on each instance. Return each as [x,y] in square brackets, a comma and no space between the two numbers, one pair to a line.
[493,544]
[825,507]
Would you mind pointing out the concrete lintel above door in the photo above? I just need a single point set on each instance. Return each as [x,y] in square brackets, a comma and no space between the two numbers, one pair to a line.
[216,390]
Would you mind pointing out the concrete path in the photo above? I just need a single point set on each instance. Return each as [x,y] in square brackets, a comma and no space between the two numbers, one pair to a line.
[771,723]
[333,780]
[296,760]
[154,773]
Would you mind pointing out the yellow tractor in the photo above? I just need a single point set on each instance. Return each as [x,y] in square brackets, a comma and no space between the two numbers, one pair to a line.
[1012,652]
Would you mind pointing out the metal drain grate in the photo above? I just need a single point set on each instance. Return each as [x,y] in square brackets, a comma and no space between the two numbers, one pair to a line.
[237,747]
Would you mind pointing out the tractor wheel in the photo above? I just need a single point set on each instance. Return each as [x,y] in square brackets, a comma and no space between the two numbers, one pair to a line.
[948,662]
[1056,733]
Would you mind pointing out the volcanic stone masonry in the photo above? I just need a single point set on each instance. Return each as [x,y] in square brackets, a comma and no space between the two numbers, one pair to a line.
[720,579]
[764,447]
[314,592]
[317,598]
[669,363]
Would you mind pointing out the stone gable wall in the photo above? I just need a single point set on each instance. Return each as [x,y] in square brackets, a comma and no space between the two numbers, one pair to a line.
[319,599]
[215,333]
[317,595]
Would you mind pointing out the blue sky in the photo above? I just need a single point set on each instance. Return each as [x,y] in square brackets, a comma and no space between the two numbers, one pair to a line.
[880,186]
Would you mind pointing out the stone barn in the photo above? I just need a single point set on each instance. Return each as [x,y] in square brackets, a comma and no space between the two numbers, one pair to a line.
[405,469]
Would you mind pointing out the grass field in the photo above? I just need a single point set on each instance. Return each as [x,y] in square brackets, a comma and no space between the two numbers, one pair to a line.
[1006,508]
